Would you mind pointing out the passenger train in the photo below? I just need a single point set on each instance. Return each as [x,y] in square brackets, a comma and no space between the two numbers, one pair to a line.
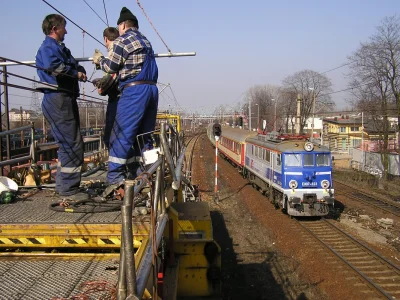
[295,173]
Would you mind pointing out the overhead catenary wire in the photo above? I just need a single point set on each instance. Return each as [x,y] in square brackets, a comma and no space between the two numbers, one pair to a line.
[148,19]
[105,11]
[96,13]
[72,22]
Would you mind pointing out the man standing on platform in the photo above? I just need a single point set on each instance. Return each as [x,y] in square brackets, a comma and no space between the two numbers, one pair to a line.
[60,72]
[132,57]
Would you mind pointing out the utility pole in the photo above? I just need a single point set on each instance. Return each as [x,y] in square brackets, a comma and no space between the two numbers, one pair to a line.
[6,119]
[298,114]
[362,140]
[249,114]
[313,111]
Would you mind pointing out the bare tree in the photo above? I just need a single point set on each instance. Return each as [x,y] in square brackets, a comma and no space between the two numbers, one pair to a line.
[308,83]
[371,88]
[260,97]
[386,45]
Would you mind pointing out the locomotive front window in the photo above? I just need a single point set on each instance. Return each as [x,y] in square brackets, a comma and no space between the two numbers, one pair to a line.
[323,160]
[293,160]
[309,160]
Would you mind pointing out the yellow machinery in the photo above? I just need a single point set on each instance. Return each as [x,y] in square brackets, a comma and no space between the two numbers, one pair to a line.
[174,120]
[195,268]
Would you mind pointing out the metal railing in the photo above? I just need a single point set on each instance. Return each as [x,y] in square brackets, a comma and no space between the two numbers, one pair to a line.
[92,148]
[12,161]
[132,282]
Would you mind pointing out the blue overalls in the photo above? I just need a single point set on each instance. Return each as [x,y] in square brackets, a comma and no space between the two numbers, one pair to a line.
[60,108]
[136,114]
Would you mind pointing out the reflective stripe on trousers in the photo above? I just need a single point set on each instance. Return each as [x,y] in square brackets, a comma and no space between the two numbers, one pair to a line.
[136,113]
[61,111]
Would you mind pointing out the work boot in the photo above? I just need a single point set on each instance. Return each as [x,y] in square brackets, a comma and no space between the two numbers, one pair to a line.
[110,189]
[76,197]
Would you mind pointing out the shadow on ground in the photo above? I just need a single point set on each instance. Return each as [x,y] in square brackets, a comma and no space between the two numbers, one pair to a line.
[241,280]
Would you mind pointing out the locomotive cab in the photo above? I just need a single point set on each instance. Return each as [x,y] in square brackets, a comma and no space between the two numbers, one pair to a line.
[308,186]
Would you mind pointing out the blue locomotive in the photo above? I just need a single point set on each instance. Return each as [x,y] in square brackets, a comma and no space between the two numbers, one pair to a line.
[295,173]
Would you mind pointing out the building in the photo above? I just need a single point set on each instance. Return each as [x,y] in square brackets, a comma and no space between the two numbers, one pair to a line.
[345,133]
[15,115]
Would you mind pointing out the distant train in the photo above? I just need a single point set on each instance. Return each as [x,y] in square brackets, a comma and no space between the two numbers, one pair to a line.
[295,173]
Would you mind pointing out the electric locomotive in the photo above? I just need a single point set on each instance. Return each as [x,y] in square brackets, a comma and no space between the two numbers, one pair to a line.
[296,174]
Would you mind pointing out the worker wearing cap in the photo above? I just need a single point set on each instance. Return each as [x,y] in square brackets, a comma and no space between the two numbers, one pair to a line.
[132,57]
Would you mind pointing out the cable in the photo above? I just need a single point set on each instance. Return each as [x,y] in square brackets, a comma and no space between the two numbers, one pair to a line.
[48,84]
[105,11]
[39,68]
[148,19]
[33,90]
[346,64]
[95,12]
[72,22]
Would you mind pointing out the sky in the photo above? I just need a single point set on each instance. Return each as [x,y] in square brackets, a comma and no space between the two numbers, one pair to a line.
[238,44]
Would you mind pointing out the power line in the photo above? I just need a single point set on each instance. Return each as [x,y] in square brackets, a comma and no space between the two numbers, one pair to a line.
[346,64]
[47,84]
[148,19]
[72,22]
[105,11]
[95,12]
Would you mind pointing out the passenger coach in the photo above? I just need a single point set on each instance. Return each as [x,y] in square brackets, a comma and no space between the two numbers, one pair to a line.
[232,144]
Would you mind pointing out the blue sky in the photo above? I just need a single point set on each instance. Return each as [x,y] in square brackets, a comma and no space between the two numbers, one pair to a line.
[238,43]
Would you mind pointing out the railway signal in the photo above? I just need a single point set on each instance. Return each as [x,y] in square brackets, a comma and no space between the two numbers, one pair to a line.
[217,133]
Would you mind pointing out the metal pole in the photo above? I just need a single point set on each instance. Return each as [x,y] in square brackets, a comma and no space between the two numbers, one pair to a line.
[216,169]
[1,140]
[275,117]
[32,62]
[249,113]
[258,117]
[127,236]
[313,115]
[362,141]
[6,111]
[298,114]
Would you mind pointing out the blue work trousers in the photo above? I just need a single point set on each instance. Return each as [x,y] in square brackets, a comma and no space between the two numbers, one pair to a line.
[136,114]
[61,111]
[110,118]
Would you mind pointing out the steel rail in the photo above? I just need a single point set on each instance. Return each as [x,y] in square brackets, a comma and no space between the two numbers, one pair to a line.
[395,209]
[347,262]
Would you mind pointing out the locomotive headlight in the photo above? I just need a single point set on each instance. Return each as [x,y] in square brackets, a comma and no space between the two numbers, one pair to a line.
[293,184]
[325,184]
[309,146]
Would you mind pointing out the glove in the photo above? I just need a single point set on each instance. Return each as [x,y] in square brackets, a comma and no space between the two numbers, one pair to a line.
[96,82]
[97,56]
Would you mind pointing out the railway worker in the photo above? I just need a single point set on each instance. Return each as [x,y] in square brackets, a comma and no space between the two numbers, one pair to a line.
[133,58]
[108,85]
[60,73]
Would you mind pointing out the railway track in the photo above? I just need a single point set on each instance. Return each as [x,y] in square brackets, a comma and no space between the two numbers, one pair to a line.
[372,275]
[189,153]
[351,192]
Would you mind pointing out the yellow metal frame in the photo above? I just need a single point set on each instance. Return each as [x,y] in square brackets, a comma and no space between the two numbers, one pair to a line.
[171,119]
[99,236]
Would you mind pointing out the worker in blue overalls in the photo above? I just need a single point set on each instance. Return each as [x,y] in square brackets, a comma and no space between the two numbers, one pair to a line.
[59,73]
[133,58]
